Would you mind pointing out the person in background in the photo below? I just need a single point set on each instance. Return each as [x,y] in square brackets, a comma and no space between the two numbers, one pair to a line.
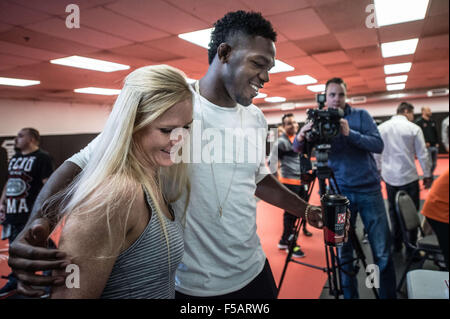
[358,179]
[403,141]
[436,209]
[429,128]
[28,171]
[290,177]
[444,133]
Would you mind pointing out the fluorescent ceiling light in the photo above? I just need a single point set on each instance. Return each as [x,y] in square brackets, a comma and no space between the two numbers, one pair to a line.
[200,37]
[398,48]
[396,79]
[17,82]
[395,87]
[275,99]
[301,79]
[389,12]
[397,68]
[280,66]
[260,95]
[316,88]
[90,64]
[94,90]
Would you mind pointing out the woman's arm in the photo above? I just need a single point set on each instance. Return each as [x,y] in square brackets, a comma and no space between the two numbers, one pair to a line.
[94,248]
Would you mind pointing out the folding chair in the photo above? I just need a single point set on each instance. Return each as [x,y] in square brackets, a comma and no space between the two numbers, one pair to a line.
[409,221]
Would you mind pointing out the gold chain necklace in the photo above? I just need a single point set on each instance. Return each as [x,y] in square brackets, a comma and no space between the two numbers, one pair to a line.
[220,208]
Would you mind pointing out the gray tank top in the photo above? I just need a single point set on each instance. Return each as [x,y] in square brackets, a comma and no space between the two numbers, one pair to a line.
[142,271]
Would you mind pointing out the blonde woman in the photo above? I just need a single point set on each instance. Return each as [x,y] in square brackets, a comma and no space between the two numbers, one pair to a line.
[118,228]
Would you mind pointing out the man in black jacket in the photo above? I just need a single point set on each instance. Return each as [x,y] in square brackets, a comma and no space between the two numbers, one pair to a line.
[429,128]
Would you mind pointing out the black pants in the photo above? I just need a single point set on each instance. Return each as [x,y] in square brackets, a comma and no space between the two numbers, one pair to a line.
[413,191]
[441,231]
[289,219]
[262,287]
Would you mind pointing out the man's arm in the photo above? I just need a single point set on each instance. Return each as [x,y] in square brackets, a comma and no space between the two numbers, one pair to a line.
[273,192]
[27,253]
[421,152]
[369,138]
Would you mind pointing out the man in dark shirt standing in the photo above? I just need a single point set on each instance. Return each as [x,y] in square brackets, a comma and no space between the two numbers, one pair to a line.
[429,128]
[28,170]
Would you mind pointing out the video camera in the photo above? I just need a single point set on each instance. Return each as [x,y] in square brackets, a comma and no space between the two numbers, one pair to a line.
[326,123]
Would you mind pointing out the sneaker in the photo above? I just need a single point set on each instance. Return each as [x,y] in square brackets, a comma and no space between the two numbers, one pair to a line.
[283,244]
[297,252]
[8,289]
[306,232]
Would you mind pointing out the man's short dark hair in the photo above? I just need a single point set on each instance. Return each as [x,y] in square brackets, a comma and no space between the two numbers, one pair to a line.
[285,116]
[247,23]
[405,106]
[338,81]
[34,134]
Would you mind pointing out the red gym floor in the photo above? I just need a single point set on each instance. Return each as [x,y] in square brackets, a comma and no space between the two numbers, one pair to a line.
[300,282]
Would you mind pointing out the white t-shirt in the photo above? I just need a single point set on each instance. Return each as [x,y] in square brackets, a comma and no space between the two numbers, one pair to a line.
[403,141]
[222,253]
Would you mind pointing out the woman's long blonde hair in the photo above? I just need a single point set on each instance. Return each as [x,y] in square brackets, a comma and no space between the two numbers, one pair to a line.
[115,170]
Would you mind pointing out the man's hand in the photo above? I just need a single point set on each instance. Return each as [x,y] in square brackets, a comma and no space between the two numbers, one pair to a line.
[27,255]
[345,128]
[302,134]
[313,216]
[427,144]
[427,182]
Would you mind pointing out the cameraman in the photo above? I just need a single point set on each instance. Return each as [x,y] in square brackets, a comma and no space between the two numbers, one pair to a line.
[358,179]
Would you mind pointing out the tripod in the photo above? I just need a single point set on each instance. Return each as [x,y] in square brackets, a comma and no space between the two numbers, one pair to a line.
[327,185]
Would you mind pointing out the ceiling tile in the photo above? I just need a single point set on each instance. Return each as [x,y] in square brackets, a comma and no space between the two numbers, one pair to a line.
[208,10]
[372,73]
[5,27]
[10,61]
[343,70]
[110,22]
[365,57]
[33,39]
[435,25]
[320,44]
[344,15]
[329,58]
[58,7]
[438,7]
[145,52]
[299,24]
[14,14]
[270,8]
[159,14]
[351,39]
[178,47]
[27,51]
[287,50]
[56,27]
[401,31]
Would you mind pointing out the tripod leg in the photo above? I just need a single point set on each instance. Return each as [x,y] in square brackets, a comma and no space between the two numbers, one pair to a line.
[336,287]
[292,241]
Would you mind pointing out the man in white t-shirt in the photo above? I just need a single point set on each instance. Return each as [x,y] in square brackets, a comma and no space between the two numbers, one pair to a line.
[403,142]
[223,255]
